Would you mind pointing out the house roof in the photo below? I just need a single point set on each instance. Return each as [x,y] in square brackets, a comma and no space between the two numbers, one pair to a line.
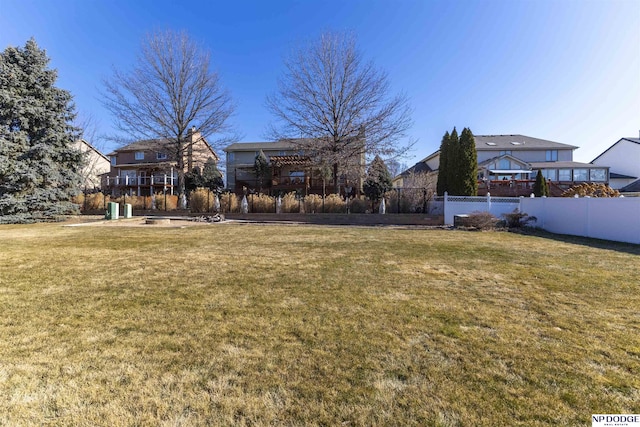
[85,142]
[145,144]
[516,142]
[633,140]
[613,175]
[564,165]
[420,167]
[255,146]
[154,145]
[634,187]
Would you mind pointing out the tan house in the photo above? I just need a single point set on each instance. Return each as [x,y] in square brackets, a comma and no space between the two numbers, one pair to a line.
[95,167]
[150,166]
[508,165]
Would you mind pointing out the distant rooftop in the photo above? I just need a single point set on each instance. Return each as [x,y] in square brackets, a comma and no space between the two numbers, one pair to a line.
[516,142]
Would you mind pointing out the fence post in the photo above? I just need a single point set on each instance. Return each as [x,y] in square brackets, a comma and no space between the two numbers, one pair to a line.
[444,206]
[488,202]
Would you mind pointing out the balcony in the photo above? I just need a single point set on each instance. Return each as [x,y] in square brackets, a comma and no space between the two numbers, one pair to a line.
[143,184]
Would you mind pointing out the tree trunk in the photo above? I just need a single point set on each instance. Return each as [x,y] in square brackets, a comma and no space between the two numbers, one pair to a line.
[336,185]
[180,167]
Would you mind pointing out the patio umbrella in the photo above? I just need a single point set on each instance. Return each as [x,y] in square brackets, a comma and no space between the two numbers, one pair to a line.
[216,203]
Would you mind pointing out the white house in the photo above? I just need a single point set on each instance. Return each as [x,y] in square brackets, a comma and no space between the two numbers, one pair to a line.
[623,158]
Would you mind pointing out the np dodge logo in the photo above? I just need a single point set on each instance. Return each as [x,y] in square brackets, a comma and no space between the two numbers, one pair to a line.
[615,420]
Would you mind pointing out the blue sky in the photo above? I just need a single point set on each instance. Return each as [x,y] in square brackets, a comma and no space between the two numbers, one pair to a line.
[563,70]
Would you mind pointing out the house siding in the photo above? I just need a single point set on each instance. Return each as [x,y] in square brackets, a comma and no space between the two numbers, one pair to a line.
[622,158]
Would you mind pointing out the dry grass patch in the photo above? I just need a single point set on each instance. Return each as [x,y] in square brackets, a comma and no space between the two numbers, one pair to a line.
[279,325]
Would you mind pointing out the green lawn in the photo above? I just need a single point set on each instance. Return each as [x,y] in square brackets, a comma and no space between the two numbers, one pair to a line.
[234,324]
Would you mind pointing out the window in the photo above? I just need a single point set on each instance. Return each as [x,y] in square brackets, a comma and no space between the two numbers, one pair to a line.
[504,164]
[550,174]
[597,175]
[139,155]
[297,177]
[503,152]
[113,160]
[580,175]
[564,175]
[161,156]
[230,157]
[552,156]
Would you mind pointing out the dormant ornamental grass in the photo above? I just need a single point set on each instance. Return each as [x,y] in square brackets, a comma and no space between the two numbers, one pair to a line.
[301,325]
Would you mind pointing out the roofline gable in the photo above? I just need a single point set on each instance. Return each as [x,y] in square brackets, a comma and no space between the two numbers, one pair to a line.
[93,148]
[633,140]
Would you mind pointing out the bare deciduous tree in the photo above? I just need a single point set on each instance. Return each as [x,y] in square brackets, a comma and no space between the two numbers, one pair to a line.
[337,107]
[170,89]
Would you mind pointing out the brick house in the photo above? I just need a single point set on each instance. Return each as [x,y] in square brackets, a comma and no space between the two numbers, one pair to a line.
[150,166]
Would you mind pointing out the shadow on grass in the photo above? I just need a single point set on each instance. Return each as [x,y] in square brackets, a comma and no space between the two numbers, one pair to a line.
[629,248]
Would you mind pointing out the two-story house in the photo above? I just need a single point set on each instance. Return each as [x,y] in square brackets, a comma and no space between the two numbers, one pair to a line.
[508,165]
[150,166]
[289,170]
[623,158]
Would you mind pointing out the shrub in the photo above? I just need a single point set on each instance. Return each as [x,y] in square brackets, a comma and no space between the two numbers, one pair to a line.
[481,221]
[517,219]
[591,190]
[261,203]
[313,203]
[334,203]
[359,205]
[290,203]
[200,200]
[172,202]
[229,203]
[91,201]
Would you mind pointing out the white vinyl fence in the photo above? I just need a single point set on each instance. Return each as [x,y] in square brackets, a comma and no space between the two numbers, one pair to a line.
[458,205]
[615,218]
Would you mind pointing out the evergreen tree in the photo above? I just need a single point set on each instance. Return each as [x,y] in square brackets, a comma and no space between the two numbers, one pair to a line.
[442,186]
[467,164]
[541,186]
[261,168]
[39,167]
[378,180]
[211,176]
[453,162]
[193,180]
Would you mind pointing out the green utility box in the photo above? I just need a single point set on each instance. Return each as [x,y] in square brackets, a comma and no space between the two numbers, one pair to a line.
[127,210]
[112,210]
